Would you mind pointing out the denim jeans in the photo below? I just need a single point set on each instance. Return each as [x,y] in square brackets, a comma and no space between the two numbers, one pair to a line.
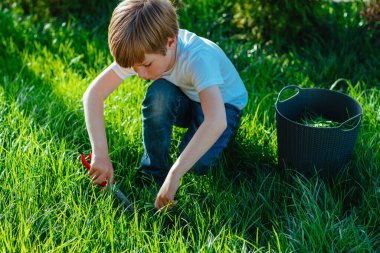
[165,106]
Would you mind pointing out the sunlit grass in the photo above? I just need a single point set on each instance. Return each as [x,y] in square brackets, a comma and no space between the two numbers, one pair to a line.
[47,203]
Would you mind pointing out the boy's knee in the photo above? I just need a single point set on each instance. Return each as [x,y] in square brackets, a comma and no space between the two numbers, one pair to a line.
[160,99]
[160,94]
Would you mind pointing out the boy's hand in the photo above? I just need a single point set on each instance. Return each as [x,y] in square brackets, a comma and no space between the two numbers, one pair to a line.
[165,197]
[101,170]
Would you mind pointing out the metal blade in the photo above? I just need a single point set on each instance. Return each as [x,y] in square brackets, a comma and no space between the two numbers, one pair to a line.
[120,195]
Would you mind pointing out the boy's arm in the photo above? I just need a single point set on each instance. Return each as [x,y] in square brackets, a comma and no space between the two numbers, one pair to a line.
[93,102]
[209,131]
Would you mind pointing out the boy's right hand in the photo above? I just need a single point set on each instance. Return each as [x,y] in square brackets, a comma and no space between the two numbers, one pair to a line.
[101,169]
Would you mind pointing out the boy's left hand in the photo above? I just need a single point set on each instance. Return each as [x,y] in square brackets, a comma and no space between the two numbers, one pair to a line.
[165,197]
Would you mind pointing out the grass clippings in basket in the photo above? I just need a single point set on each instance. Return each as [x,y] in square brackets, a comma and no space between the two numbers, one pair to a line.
[312,119]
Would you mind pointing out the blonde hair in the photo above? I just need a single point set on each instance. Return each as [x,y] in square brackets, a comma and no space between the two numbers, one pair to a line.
[140,26]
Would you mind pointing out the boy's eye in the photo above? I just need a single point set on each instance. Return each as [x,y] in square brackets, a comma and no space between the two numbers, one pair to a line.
[147,65]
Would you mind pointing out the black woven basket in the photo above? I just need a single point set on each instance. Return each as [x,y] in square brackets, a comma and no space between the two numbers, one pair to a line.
[323,149]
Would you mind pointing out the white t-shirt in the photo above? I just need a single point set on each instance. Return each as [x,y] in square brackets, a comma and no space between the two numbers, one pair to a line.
[200,63]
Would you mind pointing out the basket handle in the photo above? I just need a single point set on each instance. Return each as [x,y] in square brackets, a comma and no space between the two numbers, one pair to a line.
[350,120]
[293,86]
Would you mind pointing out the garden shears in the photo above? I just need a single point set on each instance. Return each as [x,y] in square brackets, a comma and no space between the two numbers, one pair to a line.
[116,191]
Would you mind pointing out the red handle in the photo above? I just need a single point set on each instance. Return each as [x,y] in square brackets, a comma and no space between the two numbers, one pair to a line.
[88,166]
[84,161]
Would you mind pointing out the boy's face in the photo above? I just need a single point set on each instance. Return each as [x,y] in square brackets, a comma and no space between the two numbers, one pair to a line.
[154,65]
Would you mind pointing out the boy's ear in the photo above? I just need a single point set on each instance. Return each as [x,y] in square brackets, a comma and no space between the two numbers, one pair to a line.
[172,41]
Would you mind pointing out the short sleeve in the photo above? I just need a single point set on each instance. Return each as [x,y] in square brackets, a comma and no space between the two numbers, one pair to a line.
[123,73]
[205,72]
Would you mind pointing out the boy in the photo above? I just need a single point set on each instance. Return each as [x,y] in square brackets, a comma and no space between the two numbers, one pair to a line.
[195,86]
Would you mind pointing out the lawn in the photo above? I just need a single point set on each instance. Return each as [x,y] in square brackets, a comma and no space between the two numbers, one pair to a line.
[48,204]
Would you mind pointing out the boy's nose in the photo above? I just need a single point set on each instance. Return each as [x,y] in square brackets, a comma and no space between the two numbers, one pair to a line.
[141,75]
[140,72]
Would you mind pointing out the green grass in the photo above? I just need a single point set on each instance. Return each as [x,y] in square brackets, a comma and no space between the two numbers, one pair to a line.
[315,120]
[311,119]
[47,203]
